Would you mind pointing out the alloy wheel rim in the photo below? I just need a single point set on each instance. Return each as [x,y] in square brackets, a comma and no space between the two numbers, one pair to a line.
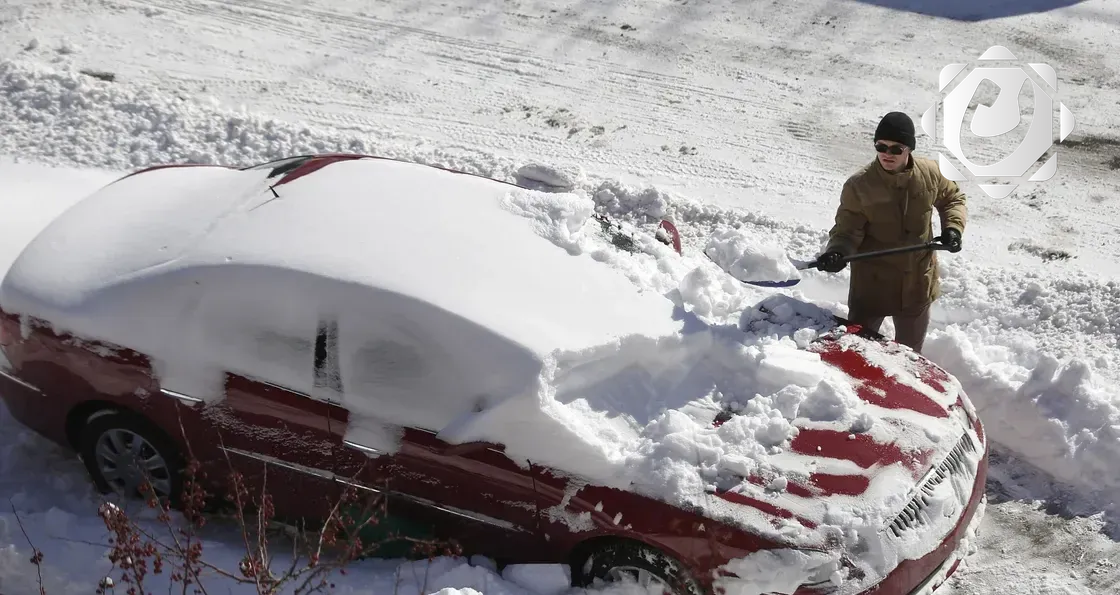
[125,459]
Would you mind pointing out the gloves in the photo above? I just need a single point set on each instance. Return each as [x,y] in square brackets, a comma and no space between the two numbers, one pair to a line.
[951,238]
[832,262]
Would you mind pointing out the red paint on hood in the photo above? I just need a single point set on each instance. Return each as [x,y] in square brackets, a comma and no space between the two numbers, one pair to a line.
[860,449]
[768,508]
[842,485]
[818,485]
[873,385]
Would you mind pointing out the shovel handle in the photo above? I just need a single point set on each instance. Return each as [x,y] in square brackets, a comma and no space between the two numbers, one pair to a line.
[864,255]
[914,248]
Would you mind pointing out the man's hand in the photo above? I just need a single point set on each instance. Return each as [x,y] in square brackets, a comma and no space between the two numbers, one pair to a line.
[832,262]
[951,238]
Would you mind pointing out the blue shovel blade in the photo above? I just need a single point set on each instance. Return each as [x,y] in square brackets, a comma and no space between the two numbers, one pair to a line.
[786,283]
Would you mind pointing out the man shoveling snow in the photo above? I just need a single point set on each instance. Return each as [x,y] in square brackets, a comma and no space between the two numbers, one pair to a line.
[885,205]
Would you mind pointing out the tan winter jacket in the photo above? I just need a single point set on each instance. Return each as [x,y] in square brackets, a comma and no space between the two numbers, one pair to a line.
[878,210]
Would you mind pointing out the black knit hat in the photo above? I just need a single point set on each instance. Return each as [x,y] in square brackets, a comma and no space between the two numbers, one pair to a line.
[897,127]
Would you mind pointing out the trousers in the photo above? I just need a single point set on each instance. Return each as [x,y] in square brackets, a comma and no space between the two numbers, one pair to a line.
[908,330]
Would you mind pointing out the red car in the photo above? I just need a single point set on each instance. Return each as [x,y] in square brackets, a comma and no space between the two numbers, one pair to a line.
[236,312]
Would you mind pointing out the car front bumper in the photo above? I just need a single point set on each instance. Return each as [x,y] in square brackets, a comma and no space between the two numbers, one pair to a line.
[923,575]
[950,565]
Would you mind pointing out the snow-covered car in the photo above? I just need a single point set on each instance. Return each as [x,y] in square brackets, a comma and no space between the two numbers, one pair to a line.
[481,355]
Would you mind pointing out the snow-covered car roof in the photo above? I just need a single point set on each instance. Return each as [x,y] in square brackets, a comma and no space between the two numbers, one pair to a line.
[456,242]
[451,291]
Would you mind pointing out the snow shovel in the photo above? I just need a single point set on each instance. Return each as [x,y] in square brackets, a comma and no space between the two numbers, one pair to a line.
[802,265]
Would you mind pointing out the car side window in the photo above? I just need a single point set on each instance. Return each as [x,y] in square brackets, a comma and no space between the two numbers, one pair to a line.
[328,374]
[276,357]
[393,371]
[406,362]
[270,341]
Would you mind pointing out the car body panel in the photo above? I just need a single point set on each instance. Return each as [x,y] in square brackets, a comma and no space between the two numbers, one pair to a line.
[474,494]
[573,512]
[278,440]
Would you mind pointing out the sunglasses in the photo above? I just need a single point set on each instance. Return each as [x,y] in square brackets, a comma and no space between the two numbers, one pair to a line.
[893,149]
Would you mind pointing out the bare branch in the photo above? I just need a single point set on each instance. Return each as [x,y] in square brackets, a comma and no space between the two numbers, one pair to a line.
[133,545]
[36,554]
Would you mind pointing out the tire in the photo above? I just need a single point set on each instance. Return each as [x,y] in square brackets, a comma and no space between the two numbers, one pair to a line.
[606,560]
[108,430]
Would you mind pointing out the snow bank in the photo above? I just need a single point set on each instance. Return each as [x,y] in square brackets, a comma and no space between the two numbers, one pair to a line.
[1039,354]
[64,117]
[1062,418]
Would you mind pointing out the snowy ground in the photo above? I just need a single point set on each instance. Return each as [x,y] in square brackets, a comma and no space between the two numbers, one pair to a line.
[693,107]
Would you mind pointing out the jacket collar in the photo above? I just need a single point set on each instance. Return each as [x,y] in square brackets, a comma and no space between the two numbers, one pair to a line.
[898,179]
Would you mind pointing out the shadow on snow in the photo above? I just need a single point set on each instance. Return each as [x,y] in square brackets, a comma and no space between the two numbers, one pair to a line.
[1012,478]
[973,10]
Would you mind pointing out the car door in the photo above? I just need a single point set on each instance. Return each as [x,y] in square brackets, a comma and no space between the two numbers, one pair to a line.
[474,492]
[359,466]
[280,441]
[270,427]
[471,494]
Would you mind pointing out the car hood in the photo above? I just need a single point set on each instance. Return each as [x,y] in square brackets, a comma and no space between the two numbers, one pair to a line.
[919,437]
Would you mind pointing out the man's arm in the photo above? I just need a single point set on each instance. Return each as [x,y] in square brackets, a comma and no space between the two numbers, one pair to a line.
[847,232]
[951,204]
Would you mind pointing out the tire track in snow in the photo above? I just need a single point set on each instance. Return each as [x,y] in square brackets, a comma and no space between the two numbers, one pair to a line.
[639,91]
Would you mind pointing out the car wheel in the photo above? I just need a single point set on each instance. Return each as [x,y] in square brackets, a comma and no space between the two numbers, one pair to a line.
[121,449]
[617,561]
